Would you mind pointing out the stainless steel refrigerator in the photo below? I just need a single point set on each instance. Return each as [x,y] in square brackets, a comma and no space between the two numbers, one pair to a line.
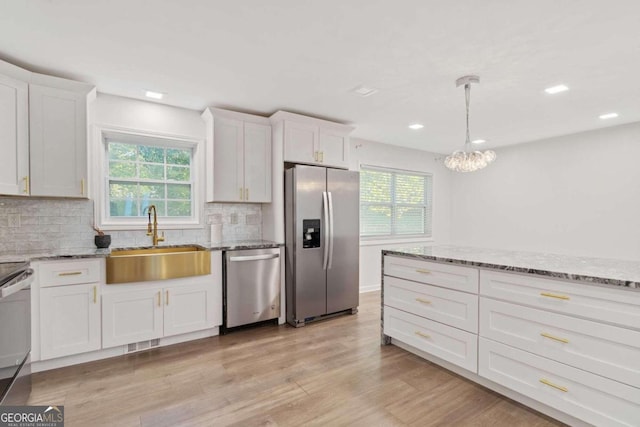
[322,242]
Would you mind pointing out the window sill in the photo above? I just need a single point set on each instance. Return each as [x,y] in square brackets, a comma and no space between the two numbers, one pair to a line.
[378,241]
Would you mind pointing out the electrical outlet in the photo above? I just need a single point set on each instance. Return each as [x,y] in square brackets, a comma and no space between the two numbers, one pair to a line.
[14,221]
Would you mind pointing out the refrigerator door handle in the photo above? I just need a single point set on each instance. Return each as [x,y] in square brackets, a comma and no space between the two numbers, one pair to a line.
[330,230]
[325,207]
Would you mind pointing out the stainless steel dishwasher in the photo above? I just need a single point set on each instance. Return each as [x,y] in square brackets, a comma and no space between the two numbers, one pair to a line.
[252,286]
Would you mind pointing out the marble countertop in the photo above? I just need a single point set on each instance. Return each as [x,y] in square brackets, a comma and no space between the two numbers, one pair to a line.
[101,253]
[593,270]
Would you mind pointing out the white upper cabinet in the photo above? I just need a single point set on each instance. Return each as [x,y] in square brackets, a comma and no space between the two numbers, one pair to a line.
[313,141]
[14,135]
[43,134]
[238,157]
[300,142]
[58,140]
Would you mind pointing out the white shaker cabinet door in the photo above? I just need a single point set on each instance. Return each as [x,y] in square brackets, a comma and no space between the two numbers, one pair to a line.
[257,163]
[58,142]
[14,137]
[228,164]
[131,316]
[301,142]
[189,308]
[334,148]
[69,320]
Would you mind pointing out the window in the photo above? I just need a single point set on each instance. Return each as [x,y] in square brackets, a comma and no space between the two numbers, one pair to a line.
[394,203]
[146,170]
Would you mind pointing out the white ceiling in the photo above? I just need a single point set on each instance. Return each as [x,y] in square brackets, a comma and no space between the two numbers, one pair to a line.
[305,56]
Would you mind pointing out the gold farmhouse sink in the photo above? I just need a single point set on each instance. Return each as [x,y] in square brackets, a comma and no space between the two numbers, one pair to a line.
[146,264]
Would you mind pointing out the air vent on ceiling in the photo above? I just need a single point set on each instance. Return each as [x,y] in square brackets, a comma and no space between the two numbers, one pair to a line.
[364,91]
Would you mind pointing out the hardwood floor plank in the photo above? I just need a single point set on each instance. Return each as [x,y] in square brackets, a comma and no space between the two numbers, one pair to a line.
[332,372]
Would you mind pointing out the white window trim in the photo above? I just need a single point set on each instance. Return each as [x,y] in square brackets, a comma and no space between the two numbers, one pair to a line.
[400,238]
[100,188]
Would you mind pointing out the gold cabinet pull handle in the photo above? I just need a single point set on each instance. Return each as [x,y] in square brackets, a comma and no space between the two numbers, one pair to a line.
[423,271]
[246,194]
[422,334]
[424,301]
[26,185]
[241,193]
[82,187]
[95,294]
[556,296]
[70,273]
[159,298]
[550,384]
[167,295]
[321,156]
[552,337]
[315,156]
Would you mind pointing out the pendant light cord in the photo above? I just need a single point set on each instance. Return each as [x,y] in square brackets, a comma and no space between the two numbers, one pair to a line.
[467,95]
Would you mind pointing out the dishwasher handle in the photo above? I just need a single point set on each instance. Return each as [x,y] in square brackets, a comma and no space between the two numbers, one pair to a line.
[253,257]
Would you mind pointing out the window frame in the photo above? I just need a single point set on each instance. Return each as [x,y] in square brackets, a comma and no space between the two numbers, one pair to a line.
[101,166]
[428,196]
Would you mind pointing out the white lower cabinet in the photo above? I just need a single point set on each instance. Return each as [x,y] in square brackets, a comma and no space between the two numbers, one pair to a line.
[144,314]
[596,347]
[586,396]
[189,308]
[131,316]
[448,343]
[69,320]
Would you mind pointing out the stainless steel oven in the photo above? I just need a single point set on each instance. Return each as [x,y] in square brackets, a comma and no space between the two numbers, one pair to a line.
[15,333]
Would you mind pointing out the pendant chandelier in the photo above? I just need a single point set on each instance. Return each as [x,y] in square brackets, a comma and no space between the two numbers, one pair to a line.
[468,160]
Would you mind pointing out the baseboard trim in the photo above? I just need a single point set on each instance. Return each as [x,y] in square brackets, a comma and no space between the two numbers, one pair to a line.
[76,359]
[370,288]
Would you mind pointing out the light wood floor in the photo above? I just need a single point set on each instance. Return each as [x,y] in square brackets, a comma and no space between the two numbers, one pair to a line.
[329,373]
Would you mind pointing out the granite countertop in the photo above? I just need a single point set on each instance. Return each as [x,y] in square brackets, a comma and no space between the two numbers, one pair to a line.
[593,270]
[101,253]
[231,245]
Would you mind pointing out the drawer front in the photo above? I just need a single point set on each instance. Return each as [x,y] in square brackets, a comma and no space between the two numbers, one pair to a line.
[589,397]
[450,344]
[449,276]
[57,273]
[453,308]
[610,351]
[608,304]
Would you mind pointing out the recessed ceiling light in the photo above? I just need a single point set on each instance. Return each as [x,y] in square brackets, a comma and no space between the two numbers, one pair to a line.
[364,91]
[478,141]
[154,95]
[556,89]
[609,116]
[416,126]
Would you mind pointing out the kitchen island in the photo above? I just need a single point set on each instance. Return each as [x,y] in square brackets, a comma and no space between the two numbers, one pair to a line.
[560,334]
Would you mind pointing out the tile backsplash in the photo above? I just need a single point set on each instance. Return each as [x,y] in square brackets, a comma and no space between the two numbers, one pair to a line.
[62,225]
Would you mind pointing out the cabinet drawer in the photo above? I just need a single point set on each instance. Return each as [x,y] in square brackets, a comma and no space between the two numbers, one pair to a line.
[56,273]
[453,308]
[450,344]
[449,276]
[608,304]
[584,395]
[610,351]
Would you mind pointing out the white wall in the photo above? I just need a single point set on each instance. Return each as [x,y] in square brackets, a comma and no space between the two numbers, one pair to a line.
[577,194]
[149,116]
[377,154]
